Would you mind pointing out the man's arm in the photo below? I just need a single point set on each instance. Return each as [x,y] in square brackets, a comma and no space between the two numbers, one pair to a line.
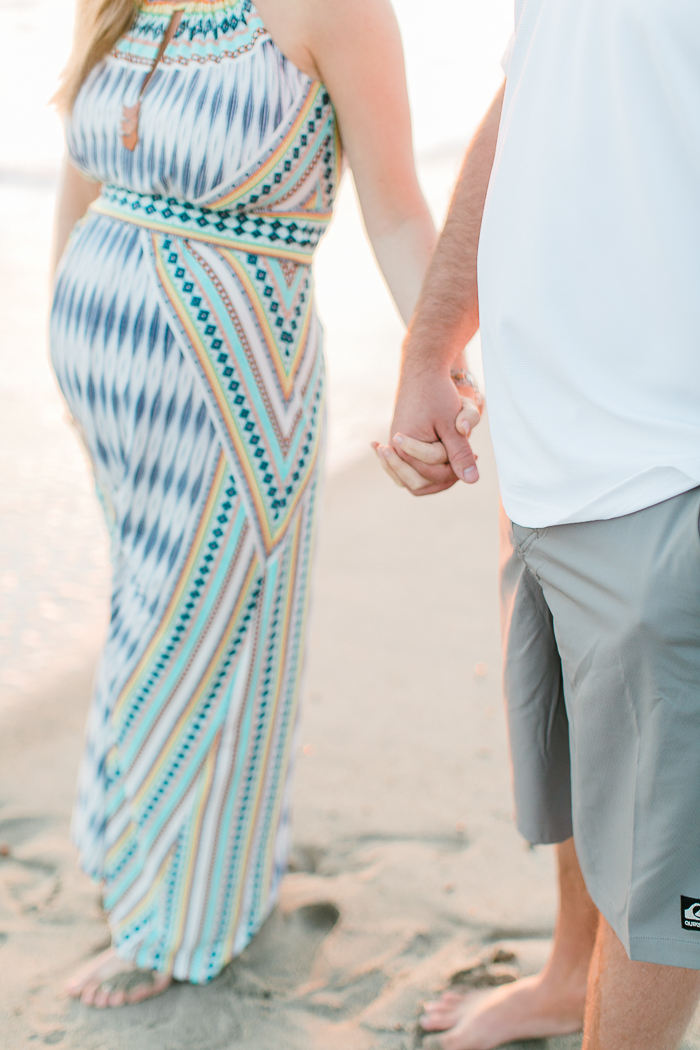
[445,319]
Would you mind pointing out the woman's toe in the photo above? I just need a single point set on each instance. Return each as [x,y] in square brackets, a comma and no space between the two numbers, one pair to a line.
[102,996]
[87,996]
[155,985]
[142,991]
[116,997]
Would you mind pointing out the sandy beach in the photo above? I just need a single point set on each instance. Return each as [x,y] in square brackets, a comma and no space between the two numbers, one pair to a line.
[406,864]
[406,868]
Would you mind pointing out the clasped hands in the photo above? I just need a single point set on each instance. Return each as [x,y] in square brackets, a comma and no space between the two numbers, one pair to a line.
[434,416]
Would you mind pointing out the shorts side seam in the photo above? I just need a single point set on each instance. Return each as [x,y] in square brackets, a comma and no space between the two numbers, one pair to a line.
[524,545]
[635,814]
[522,551]
[608,912]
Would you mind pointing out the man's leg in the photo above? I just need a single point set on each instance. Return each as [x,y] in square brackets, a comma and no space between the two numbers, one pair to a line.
[636,1005]
[551,1003]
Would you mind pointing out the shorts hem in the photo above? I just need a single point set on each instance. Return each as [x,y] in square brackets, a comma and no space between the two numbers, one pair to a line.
[665,951]
[661,951]
[545,836]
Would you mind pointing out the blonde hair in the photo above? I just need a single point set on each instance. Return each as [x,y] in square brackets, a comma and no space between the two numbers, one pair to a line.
[98,26]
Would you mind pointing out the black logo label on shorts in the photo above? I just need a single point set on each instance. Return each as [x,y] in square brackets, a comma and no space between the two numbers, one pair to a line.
[690,913]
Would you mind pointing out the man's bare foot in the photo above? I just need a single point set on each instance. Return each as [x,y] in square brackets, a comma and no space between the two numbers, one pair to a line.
[108,980]
[482,1019]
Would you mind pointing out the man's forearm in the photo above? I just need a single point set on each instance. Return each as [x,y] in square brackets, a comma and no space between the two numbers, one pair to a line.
[447,314]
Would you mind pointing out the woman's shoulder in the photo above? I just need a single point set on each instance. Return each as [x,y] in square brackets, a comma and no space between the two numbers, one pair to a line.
[306,30]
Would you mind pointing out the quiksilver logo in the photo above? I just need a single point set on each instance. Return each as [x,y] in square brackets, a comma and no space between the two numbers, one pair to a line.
[690,913]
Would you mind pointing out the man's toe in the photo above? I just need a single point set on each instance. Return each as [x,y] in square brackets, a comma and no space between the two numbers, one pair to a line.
[438,1020]
[450,998]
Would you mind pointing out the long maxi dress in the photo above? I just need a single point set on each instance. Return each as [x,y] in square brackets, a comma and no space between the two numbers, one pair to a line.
[184,337]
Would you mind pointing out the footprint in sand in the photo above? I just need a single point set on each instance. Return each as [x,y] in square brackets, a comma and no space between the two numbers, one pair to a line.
[489,970]
[16,830]
[319,918]
[282,954]
[26,885]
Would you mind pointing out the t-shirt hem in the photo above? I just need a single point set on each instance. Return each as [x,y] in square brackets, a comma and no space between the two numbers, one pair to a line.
[613,503]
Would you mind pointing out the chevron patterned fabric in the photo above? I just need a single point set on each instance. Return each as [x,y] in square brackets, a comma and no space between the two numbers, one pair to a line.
[186,343]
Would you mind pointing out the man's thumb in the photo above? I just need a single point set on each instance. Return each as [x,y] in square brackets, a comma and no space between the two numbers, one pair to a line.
[462,459]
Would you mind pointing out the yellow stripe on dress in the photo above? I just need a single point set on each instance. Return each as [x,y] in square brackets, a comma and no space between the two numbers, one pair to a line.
[165,625]
[261,173]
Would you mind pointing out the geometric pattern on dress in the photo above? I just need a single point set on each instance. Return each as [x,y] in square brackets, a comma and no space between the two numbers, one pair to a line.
[268,416]
[182,810]
[228,750]
[207,126]
[211,31]
[203,418]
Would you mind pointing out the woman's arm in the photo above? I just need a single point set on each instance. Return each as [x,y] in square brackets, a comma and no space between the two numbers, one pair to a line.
[358,52]
[354,47]
[75,195]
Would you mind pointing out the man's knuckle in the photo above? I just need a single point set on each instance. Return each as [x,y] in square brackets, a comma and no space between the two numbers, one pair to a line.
[465,457]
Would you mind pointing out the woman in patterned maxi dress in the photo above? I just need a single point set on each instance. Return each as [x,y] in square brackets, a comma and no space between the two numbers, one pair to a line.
[184,337]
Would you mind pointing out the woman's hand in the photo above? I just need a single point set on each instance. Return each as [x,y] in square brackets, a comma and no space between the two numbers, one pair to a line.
[432,453]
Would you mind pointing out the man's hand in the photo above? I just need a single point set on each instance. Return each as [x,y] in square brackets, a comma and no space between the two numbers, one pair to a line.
[429,450]
[446,318]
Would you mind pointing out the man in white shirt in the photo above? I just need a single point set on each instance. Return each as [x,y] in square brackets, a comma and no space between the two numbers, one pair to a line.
[589,301]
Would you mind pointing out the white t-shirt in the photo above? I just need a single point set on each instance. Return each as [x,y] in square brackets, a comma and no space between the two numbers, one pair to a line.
[589,260]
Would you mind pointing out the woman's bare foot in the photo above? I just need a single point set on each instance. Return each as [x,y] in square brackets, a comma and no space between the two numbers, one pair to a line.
[108,980]
[482,1019]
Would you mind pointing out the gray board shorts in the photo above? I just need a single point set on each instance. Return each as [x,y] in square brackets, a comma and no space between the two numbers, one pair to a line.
[601,639]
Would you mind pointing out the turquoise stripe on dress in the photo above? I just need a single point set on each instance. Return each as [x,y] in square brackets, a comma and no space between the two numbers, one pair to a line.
[191,357]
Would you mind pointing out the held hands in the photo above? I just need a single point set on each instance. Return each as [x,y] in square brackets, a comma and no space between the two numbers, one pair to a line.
[440,412]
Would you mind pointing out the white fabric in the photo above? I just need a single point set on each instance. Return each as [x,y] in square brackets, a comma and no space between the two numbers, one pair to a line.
[589,261]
